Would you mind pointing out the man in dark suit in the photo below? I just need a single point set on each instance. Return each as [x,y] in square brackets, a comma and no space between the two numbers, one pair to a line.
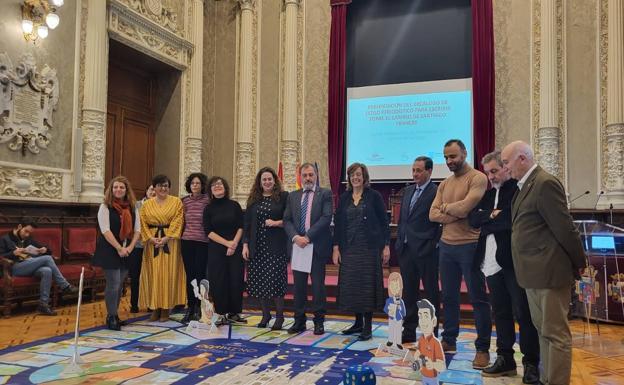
[306,220]
[493,216]
[547,254]
[416,245]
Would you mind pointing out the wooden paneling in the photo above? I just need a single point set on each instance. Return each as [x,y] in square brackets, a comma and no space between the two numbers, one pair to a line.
[130,125]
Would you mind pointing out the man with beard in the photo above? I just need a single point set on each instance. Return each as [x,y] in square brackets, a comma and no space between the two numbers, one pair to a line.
[493,216]
[306,221]
[457,195]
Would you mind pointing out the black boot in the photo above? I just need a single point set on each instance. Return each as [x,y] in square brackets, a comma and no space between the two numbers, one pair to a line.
[279,314]
[196,312]
[121,323]
[188,314]
[367,328]
[266,313]
[503,366]
[112,323]
[356,327]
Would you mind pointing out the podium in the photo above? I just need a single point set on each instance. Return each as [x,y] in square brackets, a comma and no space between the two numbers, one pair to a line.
[604,245]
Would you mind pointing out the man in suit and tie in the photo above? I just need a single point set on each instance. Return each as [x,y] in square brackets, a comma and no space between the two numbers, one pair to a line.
[306,220]
[493,216]
[547,255]
[416,245]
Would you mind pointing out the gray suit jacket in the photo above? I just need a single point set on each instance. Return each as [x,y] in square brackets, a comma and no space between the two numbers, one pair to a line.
[320,220]
[545,245]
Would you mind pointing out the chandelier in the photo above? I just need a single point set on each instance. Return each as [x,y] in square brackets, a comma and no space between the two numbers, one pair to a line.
[38,17]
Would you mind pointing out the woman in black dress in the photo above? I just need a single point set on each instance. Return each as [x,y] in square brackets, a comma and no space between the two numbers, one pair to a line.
[264,245]
[223,223]
[118,219]
[361,246]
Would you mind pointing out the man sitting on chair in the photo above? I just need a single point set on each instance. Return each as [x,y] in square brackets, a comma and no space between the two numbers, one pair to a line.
[33,259]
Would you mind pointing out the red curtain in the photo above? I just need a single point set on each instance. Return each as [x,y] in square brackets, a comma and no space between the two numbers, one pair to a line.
[336,103]
[483,78]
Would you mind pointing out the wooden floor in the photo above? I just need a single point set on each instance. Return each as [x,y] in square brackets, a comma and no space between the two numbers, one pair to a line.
[596,360]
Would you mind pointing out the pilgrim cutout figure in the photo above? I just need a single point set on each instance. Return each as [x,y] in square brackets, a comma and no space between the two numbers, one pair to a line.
[429,356]
[207,308]
[395,309]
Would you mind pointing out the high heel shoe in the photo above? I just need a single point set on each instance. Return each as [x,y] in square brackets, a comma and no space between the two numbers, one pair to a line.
[112,323]
[278,324]
[264,321]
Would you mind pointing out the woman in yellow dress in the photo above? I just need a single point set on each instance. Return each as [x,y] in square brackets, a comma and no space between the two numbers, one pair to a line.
[163,282]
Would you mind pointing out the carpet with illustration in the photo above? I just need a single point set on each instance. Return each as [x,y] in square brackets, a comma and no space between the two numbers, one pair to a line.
[170,353]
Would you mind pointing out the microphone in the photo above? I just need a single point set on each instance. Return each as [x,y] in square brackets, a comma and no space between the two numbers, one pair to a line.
[578,196]
[598,199]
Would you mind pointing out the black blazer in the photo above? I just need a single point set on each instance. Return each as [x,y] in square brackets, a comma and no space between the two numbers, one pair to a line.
[276,236]
[375,219]
[500,226]
[421,234]
[320,219]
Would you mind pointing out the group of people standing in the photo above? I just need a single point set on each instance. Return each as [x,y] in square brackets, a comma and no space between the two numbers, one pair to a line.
[457,229]
[517,236]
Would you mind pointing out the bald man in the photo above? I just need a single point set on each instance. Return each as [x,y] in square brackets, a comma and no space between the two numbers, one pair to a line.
[547,255]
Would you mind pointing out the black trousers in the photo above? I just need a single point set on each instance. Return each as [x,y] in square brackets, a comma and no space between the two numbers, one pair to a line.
[319,296]
[135,260]
[225,274]
[413,270]
[508,299]
[195,258]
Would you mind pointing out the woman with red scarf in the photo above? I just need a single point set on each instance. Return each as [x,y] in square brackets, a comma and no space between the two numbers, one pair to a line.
[120,226]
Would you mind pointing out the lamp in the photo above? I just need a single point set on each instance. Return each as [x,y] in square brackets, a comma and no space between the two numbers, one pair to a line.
[38,17]
[53,20]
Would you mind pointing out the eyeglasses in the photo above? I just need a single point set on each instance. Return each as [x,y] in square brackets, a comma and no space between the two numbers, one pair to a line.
[215,184]
[162,185]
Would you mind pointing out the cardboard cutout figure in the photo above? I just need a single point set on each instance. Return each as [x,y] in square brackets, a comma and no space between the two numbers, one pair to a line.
[395,308]
[429,356]
[207,308]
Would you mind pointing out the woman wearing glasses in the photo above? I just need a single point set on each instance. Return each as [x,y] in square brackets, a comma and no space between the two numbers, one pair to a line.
[223,223]
[163,282]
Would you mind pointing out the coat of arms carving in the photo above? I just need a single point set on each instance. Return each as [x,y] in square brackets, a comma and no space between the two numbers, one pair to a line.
[28,99]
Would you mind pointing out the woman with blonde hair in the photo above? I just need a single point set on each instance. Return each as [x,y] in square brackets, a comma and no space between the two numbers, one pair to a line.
[119,223]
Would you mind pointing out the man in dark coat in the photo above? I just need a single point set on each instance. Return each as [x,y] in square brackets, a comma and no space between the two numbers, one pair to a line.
[493,256]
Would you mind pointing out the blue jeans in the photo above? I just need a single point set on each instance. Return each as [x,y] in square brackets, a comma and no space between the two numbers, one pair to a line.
[45,268]
[455,261]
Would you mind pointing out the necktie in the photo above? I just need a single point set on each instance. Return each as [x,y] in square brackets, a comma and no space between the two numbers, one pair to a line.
[304,211]
[415,198]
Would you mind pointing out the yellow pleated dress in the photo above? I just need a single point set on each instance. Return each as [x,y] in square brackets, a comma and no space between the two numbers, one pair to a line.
[163,281]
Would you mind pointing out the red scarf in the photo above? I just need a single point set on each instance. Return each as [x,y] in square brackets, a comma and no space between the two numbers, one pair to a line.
[123,209]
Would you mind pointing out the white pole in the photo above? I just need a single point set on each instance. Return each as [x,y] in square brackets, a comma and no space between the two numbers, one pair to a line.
[74,365]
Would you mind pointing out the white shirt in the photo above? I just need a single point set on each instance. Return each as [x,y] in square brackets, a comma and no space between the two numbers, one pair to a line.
[490,266]
[104,219]
[526,176]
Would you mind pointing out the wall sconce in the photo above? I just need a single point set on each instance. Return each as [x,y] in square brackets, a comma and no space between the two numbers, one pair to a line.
[38,17]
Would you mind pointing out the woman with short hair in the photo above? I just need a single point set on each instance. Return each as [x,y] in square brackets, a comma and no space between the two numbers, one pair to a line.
[223,223]
[361,246]
[163,282]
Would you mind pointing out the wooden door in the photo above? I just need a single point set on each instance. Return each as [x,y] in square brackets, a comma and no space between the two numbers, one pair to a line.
[130,127]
